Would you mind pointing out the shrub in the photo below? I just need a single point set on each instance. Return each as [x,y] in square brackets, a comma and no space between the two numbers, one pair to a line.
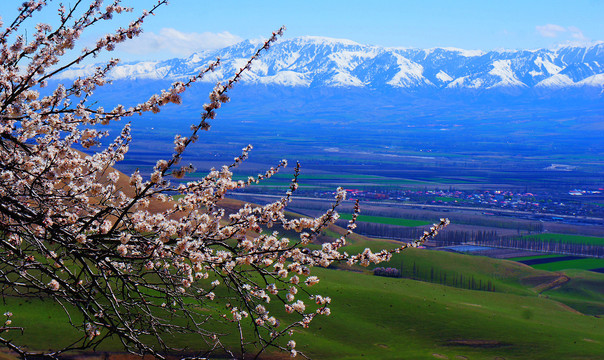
[387,272]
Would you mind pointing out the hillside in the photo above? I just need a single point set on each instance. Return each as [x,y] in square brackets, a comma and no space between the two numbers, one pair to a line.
[385,318]
[523,313]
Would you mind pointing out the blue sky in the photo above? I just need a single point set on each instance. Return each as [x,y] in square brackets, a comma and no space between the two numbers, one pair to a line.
[186,26]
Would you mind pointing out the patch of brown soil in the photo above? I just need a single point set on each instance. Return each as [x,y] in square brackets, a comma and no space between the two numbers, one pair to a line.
[8,355]
[542,283]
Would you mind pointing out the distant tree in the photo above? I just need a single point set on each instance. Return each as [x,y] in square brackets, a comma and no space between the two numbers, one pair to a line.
[117,251]
[387,272]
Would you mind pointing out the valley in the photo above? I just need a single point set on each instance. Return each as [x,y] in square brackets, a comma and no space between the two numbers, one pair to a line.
[519,171]
[225,194]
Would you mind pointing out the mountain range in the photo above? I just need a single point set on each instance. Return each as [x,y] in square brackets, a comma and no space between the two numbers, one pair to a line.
[312,61]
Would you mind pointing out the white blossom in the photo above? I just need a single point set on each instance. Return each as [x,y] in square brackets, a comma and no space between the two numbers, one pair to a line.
[120,245]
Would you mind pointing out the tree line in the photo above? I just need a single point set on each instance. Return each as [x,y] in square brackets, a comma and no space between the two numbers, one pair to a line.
[412,270]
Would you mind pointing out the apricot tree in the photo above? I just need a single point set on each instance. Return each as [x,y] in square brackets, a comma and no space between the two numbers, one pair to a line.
[119,254]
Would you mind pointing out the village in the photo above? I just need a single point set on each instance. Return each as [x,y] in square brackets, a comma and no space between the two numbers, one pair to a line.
[555,206]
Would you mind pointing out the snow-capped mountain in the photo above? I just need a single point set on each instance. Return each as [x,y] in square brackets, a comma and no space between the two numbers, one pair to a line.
[317,61]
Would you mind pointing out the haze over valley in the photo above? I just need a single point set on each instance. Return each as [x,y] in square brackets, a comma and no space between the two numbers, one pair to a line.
[526,120]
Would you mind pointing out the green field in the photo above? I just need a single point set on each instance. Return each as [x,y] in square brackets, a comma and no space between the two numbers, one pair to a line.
[388,318]
[464,180]
[524,258]
[564,238]
[528,314]
[580,264]
[447,199]
[461,271]
[387,220]
[385,318]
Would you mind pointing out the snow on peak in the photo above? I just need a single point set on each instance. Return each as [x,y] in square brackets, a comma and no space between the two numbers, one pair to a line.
[503,69]
[465,82]
[556,81]
[326,40]
[198,56]
[548,65]
[286,78]
[465,53]
[458,83]
[323,61]
[594,80]
[443,76]
[344,79]
[142,70]
[409,73]
[350,59]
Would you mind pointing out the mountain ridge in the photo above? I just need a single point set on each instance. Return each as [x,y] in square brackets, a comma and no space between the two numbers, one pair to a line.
[313,61]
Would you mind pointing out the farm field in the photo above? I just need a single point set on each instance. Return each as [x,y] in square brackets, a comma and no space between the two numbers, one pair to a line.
[550,257]
[561,262]
[566,238]
[386,220]
[580,264]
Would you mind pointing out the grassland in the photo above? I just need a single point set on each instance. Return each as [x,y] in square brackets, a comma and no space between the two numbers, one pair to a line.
[386,220]
[525,317]
[580,264]
[583,292]
[385,318]
[524,258]
[388,318]
[564,238]
[561,262]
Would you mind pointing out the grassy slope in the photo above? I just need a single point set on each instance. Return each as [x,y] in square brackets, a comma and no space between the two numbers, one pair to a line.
[583,292]
[506,276]
[384,318]
[381,318]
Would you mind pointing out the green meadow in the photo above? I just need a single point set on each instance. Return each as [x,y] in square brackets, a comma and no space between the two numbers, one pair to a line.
[524,258]
[525,317]
[583,291]
[579,264]
[385,318]
[565,238]
[387,220]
